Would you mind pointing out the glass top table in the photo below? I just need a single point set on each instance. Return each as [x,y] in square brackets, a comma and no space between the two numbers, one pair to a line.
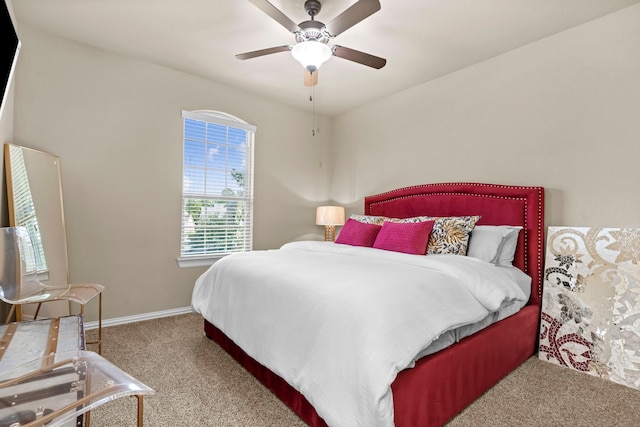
[56,388]
[55,393]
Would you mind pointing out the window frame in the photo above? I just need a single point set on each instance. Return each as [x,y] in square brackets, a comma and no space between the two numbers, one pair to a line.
[230,121]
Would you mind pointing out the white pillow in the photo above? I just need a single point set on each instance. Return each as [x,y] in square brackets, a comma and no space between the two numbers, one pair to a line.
[494,243]
[508,247]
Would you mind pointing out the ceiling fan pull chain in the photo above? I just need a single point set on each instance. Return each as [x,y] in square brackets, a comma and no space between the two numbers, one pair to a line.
[312,99]
[313,111]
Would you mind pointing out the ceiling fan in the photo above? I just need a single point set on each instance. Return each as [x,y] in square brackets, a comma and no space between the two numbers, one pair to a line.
[312,37]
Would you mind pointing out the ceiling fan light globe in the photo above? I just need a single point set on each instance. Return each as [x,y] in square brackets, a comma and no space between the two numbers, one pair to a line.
[311,54]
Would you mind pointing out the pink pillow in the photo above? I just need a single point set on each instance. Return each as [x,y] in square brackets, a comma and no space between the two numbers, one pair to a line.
[407,237]
[357,233]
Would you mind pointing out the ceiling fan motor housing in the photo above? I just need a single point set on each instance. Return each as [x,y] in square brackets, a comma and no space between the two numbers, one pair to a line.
[312,30]
[312,7]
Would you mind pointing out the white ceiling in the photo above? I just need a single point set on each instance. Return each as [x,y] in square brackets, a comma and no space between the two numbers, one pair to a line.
[421,39]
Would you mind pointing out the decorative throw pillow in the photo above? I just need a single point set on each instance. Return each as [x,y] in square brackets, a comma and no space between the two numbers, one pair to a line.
[409,237]
[412,219]
[357,233]
[368,219]
[450,235]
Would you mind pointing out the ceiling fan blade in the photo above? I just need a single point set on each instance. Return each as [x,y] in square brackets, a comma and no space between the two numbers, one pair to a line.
[276,14]
[350,17]
[262,52]
[310,79]
[359,57]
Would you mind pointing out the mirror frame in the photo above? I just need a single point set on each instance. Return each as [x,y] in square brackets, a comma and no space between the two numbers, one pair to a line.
[59,236]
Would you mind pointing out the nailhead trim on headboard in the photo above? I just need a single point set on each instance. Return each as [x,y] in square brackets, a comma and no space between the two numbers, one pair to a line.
[523,193]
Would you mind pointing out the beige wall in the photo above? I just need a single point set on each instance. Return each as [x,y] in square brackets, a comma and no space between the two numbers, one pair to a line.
[116,125]
[563,113]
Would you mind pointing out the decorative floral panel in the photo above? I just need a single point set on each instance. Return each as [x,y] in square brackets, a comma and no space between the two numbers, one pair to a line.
[591,302]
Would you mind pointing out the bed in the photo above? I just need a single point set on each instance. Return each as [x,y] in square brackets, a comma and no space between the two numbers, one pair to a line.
[433,388]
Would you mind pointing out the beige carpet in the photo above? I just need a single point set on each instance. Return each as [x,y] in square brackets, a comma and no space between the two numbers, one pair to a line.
[168,355]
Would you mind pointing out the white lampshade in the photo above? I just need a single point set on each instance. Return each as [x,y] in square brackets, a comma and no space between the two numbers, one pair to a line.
[330,215]
[311,54]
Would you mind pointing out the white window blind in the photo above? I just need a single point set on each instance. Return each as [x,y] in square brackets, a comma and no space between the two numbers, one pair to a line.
[217,186]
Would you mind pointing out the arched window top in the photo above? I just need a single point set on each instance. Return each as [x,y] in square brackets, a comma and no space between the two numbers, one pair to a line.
[218,117]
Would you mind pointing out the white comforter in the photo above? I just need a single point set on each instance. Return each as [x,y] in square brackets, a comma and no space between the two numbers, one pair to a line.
[339,322]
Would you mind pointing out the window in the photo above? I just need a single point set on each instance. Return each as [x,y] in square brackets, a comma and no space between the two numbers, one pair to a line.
[217,187]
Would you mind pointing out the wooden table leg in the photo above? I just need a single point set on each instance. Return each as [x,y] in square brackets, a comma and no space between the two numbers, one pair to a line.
[140,416]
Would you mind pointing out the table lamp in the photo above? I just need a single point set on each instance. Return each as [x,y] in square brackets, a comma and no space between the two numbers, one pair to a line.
[330,216]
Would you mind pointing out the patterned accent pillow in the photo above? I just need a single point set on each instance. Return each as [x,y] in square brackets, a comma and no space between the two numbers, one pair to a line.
[368,219]
[413,219]
[450,234]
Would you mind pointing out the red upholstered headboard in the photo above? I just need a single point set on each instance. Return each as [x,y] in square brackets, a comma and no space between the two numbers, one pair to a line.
[497,204]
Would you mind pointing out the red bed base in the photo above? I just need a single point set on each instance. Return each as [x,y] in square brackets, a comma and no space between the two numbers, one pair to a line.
[444,383]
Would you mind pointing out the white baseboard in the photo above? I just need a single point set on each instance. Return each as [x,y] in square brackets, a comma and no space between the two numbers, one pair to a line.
[138,318]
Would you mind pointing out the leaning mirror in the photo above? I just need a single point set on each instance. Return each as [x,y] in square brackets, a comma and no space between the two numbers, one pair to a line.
[34,194]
